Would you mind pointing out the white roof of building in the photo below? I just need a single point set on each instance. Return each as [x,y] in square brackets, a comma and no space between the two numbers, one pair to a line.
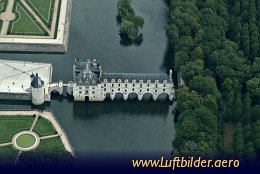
[15,75]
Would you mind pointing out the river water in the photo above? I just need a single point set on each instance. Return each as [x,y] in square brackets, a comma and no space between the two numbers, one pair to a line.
[110,126]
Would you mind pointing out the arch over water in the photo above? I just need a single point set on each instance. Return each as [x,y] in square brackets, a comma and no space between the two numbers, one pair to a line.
[132,96]
[119,96]
[147,96]
[163,96]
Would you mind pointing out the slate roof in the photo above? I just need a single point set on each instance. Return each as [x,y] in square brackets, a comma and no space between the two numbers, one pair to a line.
[37,82]
[135,76]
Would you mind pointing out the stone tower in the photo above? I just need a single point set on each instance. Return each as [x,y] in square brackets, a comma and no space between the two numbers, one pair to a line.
[37,90]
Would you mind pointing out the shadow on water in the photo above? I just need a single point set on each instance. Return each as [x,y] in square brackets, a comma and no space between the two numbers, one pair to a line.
[92,110]
[126,41]
[9,104]
[168,63]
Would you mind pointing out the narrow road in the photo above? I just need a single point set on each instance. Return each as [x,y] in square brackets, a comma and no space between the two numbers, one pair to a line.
[5,25]
[49,136]
[34,122]
[54,18]
[5,144]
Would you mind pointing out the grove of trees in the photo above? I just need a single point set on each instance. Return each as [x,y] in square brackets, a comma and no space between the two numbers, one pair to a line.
[130,23]
[215,47]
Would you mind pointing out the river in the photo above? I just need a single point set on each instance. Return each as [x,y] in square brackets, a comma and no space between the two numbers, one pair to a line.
[110,126]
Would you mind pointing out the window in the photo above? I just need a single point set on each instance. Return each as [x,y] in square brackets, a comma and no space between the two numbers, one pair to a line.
[112,90]
[133,85]
[141,85]
[163,90]
[155,90]
[156,85]
[93,88]
[80,92]
[80,87]
[125,85]
[93,92]
[133,89]
[105,85]
[118,89]
[147,89]
[113,85]
[164,85]
[105,89]
[86,91]
[148,85]
[118,84]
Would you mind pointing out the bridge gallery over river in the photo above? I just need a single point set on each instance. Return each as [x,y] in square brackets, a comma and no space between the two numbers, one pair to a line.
[33,81]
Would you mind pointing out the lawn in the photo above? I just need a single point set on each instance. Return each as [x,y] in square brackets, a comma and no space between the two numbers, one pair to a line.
[43,127]
[7,155]
[25,24]
[10,125]
[49,151]
[25,141]
[43,8]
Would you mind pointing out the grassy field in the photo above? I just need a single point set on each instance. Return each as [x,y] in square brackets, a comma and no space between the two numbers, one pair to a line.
[24,24]
[49,150]
[43,127]
[7,154]
[25,141]
[11,125]
[51,145]
[43,8]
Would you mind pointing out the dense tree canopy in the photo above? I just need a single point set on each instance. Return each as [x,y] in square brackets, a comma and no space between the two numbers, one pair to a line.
[130,24]
[215,47]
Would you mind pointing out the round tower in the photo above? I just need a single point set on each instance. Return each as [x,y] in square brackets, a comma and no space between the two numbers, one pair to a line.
[37,90]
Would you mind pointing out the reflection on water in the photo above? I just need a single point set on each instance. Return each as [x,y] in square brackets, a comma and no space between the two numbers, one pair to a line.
[90,110]
[126,41]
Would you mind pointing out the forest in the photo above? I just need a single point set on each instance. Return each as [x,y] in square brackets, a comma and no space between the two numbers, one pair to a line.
[215,48]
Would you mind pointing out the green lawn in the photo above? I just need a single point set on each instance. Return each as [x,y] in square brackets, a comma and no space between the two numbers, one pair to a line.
[10,125]
[43,127]
[43,8]
[48,151]
[25,140]
[25,24]
[7,155]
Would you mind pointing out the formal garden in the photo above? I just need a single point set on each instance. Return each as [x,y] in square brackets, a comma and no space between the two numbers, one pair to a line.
[25,137]
[29,17]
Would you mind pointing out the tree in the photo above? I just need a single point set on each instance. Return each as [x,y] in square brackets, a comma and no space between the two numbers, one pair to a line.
[204,85]
[247,106]
[128,27]
[188,100]
[130,24]
[191,69]
[253,87]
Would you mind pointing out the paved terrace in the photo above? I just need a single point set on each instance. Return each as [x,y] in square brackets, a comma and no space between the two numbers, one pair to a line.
[15,76]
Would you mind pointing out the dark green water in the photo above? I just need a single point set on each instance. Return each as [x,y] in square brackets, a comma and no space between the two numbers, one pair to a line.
[110,127]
